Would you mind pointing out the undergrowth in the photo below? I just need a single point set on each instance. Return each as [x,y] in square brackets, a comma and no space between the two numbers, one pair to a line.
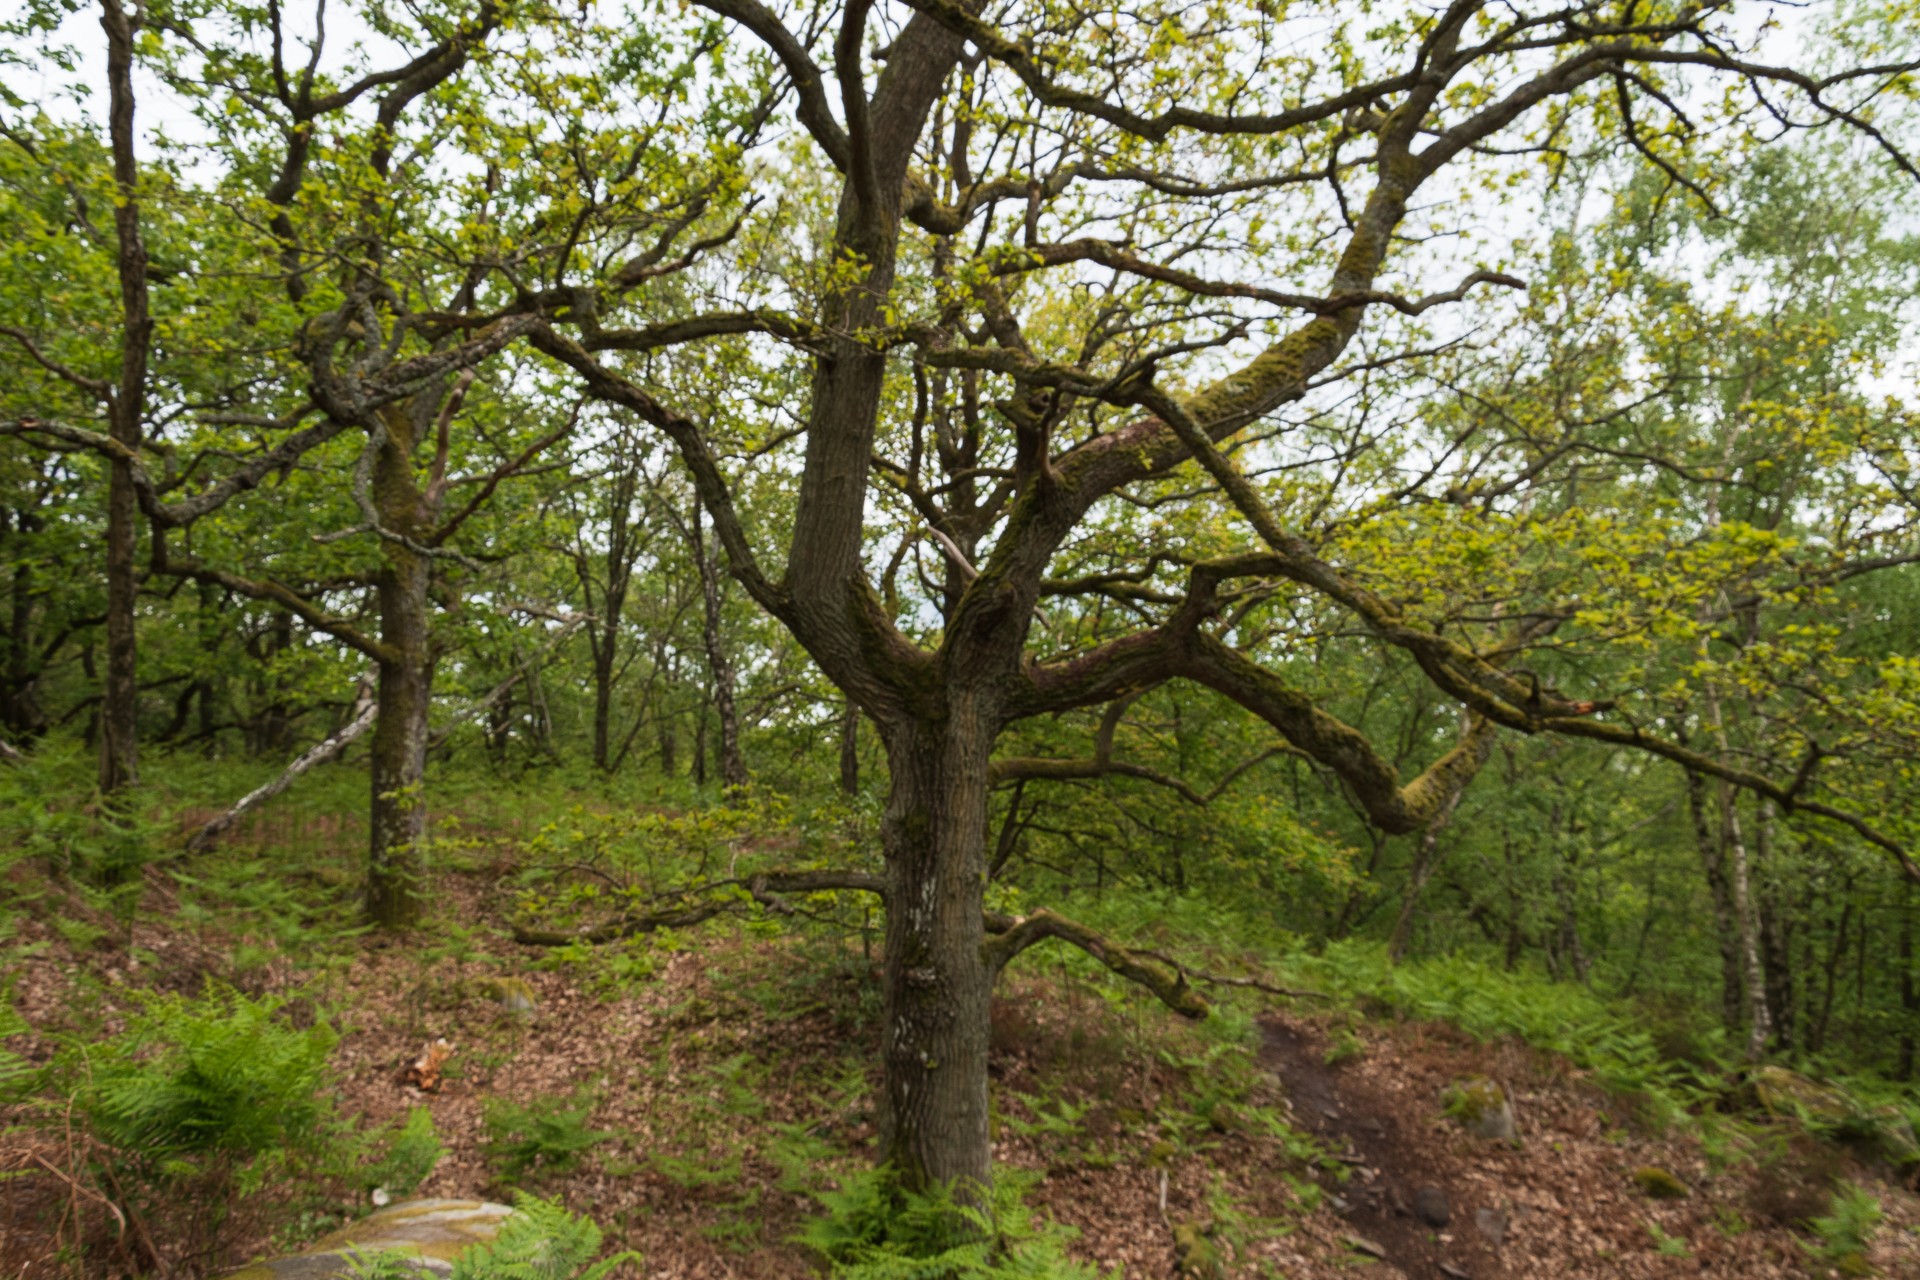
[873,1230]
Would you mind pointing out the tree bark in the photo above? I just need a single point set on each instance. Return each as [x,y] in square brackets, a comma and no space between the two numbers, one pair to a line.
[126,406]
[733,767]
[1426,859]
[850,749]
[396,861]
[603,632]
[937,982]
[1909,987]
[1713,864]
[1753,977]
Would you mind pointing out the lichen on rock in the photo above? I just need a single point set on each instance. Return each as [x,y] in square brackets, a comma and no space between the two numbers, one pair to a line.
[1656,1183]
[428,1234]
[1481,1107]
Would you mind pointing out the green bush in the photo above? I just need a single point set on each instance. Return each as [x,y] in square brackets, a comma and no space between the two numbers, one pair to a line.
[872,1230]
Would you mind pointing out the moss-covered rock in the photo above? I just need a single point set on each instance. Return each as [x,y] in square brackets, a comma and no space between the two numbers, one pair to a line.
[428,1233]
[1481,1107]
[1884,1130]
[515,995]
[1788,1093]
[1195,1253]
[1656,1183]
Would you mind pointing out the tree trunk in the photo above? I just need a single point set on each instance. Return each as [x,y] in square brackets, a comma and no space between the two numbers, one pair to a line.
[1777,933]
[1425,859]
[20,709]
[605,649]
[733,767]
[937,980]
[1713,864]
[1909,987]
[396,865]
[126,407]
[1753,978]
[850,750]
[396,855]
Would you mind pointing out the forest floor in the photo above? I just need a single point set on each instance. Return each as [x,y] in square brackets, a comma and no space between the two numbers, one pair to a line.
[723,1076]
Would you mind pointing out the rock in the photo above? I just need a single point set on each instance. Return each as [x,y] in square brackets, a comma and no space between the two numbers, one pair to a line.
[1360,1244]
[1431,1207]
[1492,1224]
[1656,1183]
[1452,1272]
[1788,1093]
[431,1233]
[512,994]
[1885,1129]
[1195,1253]
[1893,1135]
[1481,1107]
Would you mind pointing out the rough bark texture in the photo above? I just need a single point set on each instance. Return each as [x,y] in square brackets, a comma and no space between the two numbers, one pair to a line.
[937,977]
[396,862]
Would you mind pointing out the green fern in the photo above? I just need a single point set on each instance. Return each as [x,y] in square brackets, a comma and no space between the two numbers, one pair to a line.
[221,1074]
[411,1155]
[18,1077]
[540,1240]
[545,1135]
[872,1230]
[1844,1235]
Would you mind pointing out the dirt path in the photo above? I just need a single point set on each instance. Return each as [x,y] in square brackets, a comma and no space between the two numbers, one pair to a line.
[1397,1177]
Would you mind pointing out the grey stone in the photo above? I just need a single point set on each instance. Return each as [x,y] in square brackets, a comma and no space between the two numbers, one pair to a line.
[1360,1244]
[429,1233]
[1431,1207]
[1492,1224]
[1481,1107]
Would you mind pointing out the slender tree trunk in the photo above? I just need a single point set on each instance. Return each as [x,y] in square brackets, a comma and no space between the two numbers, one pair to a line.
[1777,932]
[700,740]
[604,654]
[1426,859]
[1753,977]
[1817,1034]
[1909,986]
[119,750]
[733,767]
[1713,863]
[937,981]
[850,749]
[21,711]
